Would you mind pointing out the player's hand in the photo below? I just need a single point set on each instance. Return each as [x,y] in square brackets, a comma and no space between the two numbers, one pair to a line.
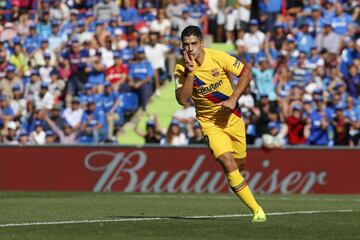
[227,105]
[189,62]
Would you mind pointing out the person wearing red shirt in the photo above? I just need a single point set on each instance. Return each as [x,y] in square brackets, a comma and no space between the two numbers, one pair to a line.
[296,126]
[117,73]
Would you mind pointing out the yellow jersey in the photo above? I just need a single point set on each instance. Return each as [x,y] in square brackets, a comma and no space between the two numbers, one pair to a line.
[212,85]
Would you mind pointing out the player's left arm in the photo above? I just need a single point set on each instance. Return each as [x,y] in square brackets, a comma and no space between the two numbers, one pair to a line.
[244,74]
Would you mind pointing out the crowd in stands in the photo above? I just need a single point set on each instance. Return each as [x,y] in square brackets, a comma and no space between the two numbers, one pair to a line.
[72,71]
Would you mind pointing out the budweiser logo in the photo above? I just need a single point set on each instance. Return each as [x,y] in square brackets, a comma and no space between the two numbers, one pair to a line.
[133,172]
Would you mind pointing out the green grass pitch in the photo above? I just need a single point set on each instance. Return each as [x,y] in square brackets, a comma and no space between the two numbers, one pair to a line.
[175,216]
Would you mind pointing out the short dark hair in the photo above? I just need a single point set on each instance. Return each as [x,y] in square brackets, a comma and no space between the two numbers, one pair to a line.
[191,30]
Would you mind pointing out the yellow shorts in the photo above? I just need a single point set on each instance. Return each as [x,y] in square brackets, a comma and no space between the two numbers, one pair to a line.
[226,139]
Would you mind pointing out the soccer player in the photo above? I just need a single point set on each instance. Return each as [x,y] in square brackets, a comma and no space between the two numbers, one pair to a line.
[203,75]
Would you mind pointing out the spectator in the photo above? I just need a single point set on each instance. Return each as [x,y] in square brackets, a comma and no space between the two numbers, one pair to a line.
[37,136]
[129,16]
[59,11]
[44,71]
[353,81]
[50,137]
[55,117]
[153,133]
[161,24]
[73,114]
[264,79]
[254,39]
[19,59]
[95,69]
[33,87]
[174,136]
[9,135]
[57,39]
[197,11]
[67,135]
[342,22]
[156,54]
[104,10]
[341,126]
[24,137]
[17,102]
[118,73]
[195,134]
[185,20]
[266,114]
[39,54]
[352,113]
[9,81]
[44,25]
[278,37]
[6,112]
[44,99]
[174,11]
[328,39]
[320,120]
[296,124]
[273,138]
[92,121]
[111,101]
[140,75]
[304,39]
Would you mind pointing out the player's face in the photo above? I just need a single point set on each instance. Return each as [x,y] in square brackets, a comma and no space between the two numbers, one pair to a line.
[193,46]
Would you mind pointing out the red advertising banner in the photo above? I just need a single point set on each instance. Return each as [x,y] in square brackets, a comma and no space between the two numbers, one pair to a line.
[153,169]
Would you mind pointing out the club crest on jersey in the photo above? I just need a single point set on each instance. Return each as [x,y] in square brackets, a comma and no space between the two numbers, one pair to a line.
[215,72]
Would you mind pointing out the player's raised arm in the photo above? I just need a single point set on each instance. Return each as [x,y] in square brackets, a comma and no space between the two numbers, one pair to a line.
[183,91]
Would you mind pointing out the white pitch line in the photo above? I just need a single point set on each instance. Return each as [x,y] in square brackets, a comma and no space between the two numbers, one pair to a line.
[167,218]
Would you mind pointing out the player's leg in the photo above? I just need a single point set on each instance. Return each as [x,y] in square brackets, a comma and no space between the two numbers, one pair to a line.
[220,144]
[237,183]
[237,135]
[240,163]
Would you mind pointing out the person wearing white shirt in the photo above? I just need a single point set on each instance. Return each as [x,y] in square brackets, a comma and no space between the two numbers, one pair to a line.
[156,54]
[44,99]
[161,24]
[254,39]
[38,136]
[73,113]
[174,136]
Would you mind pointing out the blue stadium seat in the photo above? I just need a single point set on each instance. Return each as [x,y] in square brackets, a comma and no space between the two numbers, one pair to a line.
[129,102]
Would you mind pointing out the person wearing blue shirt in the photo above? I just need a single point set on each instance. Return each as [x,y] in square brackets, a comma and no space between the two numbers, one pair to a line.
[57,40]
[341,22]
[352,113]
[96,70]
[272,9]
[140,76]
[315,20]
[347,58]
[328,11]
[114,115]
[32,39]
[197,12]
[69,26]
[44,26]
[263,77]
[129,15]
[319,124]
[92,121]
[304,40]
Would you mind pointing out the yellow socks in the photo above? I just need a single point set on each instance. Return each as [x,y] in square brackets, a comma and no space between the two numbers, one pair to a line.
[242,190]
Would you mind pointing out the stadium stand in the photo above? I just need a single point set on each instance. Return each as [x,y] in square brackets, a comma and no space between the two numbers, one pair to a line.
[90,68]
